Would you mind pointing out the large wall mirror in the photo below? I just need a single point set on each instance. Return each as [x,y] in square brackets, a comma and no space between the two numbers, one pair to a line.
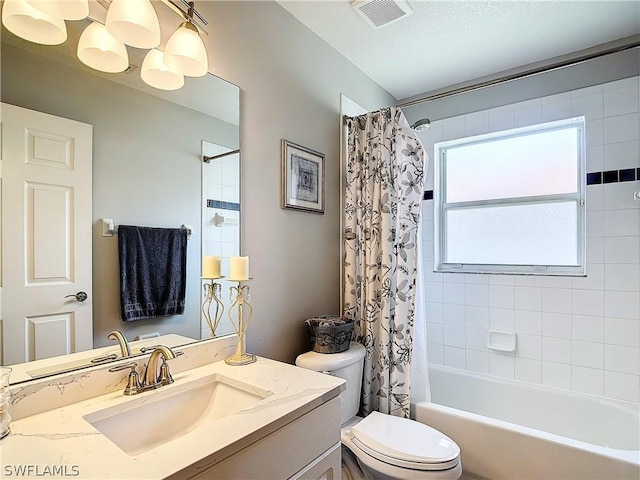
[147,169]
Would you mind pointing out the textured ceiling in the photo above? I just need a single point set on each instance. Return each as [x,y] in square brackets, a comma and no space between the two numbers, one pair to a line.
[444,43]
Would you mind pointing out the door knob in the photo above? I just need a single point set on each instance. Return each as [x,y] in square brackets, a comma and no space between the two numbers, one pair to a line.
[80,296]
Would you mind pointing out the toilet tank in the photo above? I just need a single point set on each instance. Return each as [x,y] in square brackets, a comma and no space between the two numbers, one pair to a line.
[347,365]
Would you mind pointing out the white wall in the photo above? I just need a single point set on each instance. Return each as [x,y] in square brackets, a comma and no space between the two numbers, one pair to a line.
[581,334]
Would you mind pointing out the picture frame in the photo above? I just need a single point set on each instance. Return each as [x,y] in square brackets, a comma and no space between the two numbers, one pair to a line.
[303,178]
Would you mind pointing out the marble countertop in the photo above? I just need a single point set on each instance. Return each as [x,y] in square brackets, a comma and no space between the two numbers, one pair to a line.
[61,443]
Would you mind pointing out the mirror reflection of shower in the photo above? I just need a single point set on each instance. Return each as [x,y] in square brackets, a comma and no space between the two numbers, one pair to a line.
[220,219]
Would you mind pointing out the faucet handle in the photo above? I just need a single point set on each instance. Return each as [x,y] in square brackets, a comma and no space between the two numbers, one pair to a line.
[133,380]
[104,358]
[153,347]
[124,366]
[150,348]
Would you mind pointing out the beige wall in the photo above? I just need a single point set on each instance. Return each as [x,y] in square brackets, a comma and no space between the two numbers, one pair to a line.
[290,83]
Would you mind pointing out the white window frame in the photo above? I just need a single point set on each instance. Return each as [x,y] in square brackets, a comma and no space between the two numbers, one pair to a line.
[441,207]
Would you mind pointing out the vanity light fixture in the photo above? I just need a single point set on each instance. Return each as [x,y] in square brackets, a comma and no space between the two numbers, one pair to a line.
[67,9]
[185,51]
[155,73]
[130,22]
[24,20]
[98,49]
[134,22]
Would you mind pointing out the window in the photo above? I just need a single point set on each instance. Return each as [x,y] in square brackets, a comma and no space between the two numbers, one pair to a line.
[512,201]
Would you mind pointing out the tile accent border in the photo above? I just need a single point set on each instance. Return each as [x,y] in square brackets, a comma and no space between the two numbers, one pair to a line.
[613,176]
[223,205]
[593,178]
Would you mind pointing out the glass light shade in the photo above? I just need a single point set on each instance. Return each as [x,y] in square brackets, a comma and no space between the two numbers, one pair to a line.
[32,24]
[98,49]
[185,52]
[66,9]
[155,73]
[134,22]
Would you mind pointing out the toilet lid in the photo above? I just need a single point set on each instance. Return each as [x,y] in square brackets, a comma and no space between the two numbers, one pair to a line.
[405,442]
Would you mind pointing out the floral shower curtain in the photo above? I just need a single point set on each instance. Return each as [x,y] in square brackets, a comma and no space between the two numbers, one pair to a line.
[383,198]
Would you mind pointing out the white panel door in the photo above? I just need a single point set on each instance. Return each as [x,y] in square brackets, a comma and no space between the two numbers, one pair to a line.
[46,235]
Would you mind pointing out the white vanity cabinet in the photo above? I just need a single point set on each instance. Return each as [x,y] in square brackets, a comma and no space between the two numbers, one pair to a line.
[306,448]
[289,430]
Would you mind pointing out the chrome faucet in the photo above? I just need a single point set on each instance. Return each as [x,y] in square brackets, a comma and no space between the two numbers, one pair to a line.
[152,378]
[122,341]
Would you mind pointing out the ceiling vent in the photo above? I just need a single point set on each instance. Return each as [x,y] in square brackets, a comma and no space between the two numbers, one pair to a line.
[379,13]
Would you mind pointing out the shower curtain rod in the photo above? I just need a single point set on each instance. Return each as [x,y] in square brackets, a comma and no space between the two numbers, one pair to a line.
[206,159]
[526,73]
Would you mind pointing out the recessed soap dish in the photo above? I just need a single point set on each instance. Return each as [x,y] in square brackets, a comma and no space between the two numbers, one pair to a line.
[501,341]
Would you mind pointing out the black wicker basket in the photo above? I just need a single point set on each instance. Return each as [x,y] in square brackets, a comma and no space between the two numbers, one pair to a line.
[329,334]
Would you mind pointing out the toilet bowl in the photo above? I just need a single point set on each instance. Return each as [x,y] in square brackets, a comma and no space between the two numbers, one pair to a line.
[385,447]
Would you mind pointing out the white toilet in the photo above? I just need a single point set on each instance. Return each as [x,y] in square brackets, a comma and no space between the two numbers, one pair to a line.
[386,447]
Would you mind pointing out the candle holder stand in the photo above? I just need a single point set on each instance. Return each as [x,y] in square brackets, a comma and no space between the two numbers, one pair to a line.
[212,294]
[241,357]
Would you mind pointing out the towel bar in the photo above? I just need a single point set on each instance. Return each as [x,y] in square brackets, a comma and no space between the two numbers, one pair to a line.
[109,229]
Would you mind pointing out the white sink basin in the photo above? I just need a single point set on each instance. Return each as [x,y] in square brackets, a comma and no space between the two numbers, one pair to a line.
[157,417]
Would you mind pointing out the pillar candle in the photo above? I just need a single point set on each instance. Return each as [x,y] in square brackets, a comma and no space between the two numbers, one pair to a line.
[210,266]
[239,268]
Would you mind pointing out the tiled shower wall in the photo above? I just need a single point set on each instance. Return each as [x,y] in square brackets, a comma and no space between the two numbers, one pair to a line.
[221,190]
[581,334]
[221,195]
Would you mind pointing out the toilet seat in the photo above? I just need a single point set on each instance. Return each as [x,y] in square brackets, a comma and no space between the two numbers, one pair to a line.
[404,443]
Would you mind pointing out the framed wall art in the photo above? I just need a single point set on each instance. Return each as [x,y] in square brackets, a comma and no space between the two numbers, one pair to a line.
[302,178]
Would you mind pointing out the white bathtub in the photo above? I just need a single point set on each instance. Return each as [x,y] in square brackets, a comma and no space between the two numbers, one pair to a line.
[512,430]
